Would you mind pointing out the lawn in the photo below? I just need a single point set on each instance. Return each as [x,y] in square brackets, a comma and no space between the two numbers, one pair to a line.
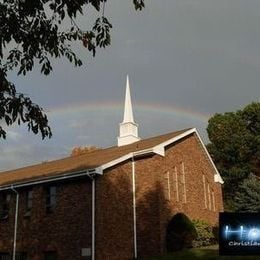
[210,252]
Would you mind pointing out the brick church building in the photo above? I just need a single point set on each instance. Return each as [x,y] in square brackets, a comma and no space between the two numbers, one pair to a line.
[112,203]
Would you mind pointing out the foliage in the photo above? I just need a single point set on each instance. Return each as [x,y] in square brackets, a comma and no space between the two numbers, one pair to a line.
[35,32]
[209,252]
[180,233]
[235,146]
[83,150]
[247,199]
[205,234]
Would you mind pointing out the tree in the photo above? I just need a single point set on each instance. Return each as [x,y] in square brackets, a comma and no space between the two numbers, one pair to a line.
[247,199]
[180,233]
[83,150]
[35,32]
[235,146]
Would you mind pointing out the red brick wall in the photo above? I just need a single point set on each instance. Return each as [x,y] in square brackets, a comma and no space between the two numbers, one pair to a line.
[114,214]
[155,203]
[190,153]
[66,230]
[150,199]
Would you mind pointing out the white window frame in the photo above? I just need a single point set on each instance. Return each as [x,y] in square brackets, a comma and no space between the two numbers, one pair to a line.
[169,185]
[204,190]
[213,201]
[175,175]
[183,182]
[209,196]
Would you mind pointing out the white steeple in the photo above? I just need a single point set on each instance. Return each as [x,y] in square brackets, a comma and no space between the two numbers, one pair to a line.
[128,113]
[128,129]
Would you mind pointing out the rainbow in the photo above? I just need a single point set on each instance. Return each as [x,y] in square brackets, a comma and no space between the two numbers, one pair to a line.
[112,107]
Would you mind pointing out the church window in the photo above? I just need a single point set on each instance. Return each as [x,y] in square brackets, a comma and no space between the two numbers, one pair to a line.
[175,183]
[204,191]
[5,201]
[213,201]
[29,197]
[168,185]
[51,199]
[183,181]
[209,197]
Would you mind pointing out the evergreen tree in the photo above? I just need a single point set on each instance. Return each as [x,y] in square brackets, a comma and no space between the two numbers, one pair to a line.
[235,147]
[247,199]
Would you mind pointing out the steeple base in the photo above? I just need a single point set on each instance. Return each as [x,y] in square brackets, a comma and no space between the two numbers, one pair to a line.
[129,139]
[128,129]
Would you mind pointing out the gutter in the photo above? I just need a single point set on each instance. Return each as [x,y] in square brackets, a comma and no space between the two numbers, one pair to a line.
[136,154]
[89,173]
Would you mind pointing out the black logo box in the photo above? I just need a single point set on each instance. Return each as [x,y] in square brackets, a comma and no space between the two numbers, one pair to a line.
[234,233]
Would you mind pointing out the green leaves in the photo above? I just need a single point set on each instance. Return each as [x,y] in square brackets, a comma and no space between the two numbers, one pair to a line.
[235,146]
[247,199]
[139,4]
[102,29]
[33,32]
[15,107]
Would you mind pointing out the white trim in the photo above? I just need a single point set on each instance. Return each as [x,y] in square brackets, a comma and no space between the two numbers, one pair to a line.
[204,190]
[213,201]
[116,161]
[88,173]
[183,182]
[209,196]
[176,181]
[177,138]
[169,185]
[160,150]
[217,176]
[129,156]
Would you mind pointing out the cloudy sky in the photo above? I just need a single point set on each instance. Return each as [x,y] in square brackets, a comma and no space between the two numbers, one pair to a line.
[186,59]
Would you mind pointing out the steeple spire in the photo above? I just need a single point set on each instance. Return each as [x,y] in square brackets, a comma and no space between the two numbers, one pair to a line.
[128,129]
[128,113]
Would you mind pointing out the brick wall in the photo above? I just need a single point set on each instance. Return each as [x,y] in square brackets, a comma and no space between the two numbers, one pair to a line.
[159,195]
[66,230]
[156,199]
[114,214]
[157,175]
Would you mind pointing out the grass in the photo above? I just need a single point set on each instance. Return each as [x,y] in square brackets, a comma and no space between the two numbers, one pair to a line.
[210,252]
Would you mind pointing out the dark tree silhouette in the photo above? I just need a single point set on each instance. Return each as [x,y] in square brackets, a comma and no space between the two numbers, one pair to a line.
[34,32]
[235,146]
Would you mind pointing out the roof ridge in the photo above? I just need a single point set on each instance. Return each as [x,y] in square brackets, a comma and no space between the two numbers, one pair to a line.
[83,161]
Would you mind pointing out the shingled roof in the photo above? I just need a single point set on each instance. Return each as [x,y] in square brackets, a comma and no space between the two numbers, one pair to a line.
[82,162]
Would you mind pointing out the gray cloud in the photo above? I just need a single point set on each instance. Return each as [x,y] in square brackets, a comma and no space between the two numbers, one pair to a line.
[201,55]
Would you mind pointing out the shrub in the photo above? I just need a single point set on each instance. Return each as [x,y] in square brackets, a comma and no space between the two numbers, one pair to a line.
[205,233]
[180,233]
[216,233]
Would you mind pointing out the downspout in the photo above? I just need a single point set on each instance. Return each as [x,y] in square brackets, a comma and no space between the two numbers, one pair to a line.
[134,207]
[93,219]
[16,220]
